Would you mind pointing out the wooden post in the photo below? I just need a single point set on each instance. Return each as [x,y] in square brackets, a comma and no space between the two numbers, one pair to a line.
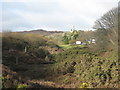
[16,60]
[25,49]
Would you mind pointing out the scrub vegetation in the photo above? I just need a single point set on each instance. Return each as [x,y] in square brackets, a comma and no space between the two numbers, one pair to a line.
[53,60]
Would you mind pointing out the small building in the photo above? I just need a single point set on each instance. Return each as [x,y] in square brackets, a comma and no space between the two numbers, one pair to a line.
[89,41]
[93,40]
[84,43]
[78,42]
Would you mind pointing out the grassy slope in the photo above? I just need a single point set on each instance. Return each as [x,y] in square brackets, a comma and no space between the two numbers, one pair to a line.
[67,46]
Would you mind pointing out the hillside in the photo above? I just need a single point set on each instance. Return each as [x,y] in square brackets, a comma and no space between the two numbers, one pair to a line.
[35,61]
[97,70]
[42,32]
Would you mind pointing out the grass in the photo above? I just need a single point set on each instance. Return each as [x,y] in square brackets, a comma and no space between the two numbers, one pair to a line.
[67,46]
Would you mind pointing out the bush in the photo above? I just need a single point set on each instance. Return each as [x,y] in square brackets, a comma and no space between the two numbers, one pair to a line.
[13,43]
[51,44]
[84,85]
[40,53]
[21,86]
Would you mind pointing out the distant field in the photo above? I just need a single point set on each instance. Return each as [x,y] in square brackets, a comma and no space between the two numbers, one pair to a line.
[70,46]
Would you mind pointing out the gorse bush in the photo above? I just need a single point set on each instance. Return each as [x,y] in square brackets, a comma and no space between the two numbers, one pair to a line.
[25,48]
[18,42]
[92,68]
[84,85]
[13,43]
[51,44]
[72,53]
[22,87]
[40,52]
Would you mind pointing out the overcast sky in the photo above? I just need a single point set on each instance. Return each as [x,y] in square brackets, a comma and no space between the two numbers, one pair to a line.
[19,15]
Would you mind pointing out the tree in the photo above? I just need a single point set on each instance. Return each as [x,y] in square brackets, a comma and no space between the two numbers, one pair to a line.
[65,39]
[75,34]
[107,29]
[108,20]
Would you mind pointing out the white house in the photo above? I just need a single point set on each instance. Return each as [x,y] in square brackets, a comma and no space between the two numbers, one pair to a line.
[93,40]
[78,42]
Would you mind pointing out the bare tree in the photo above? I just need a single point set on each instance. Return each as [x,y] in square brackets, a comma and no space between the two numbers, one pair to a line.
[108,23]
[108,20]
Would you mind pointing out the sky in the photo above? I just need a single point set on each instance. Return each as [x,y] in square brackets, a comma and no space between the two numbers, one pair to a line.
[20,15]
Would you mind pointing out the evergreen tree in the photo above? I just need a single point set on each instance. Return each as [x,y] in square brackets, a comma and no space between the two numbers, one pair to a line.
[65,39]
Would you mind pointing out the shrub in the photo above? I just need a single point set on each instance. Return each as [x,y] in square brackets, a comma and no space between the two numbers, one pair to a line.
[21,86]
[84,85]
[51,44]
[41,53]
[13,43]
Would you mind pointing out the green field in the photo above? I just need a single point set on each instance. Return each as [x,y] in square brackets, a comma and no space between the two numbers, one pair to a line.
[70,46]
